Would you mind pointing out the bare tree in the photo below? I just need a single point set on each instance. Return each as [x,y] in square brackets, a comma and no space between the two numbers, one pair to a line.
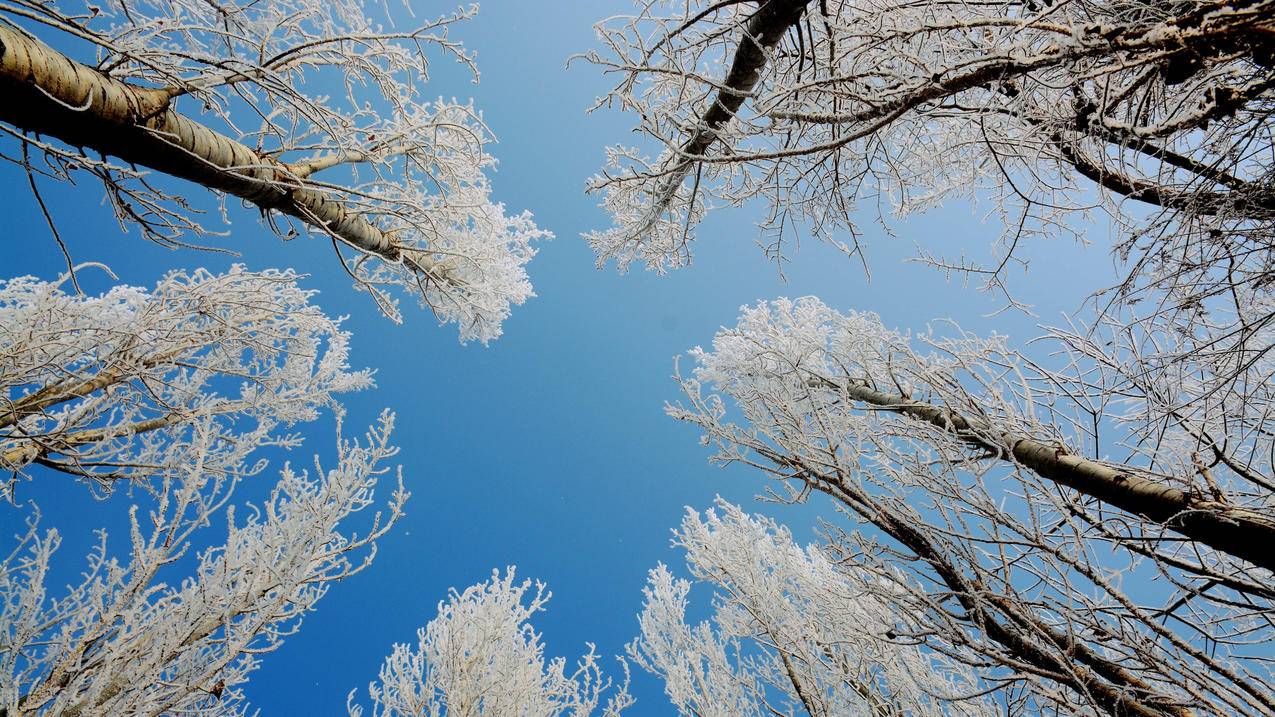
[1158,112]
[311,112]
[1079,584]
[790,633]
[174,391]
[481,656]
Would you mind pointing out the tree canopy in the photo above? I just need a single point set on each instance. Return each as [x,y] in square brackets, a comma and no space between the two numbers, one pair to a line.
[1077,520]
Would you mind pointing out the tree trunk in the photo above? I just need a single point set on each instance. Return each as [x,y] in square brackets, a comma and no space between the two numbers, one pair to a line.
[47,93]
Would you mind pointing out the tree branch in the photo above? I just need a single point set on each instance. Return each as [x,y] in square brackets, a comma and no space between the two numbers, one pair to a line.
[48,93]
[1235,531]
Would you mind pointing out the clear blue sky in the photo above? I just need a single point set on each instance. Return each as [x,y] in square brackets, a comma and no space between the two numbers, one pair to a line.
[548,449]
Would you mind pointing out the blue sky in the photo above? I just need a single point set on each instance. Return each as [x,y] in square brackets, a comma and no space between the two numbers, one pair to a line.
[548,449]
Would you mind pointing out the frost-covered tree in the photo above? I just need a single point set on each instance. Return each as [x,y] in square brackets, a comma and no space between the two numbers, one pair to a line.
[310,110]
[481,656]
[791,632]
[817,108]
[1160,113]
[172,392]
[133,638]
[1089,522]
[1081,557]
[121,386]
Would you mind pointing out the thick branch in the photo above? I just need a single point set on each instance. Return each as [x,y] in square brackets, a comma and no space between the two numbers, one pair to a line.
[1235,531]
[55,394]
[308,167]
[27,451]
[46,92]
[1250,204]
[763,31]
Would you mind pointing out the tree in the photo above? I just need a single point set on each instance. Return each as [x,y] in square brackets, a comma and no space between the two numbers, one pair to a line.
[1082,585]
[1162,109]
[1087,522]
[123,641]
[311,112]
[790,632]
[480,656]
[175,392]
[824,105]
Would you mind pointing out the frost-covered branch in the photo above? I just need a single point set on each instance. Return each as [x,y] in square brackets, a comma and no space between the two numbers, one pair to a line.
[790,633]
[905,105]
[117,386]
[481,656]
[126,640]
[311,111]
[1039,581]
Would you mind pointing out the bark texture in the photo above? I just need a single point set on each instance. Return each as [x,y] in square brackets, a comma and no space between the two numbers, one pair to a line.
[47,93]
[762,33]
